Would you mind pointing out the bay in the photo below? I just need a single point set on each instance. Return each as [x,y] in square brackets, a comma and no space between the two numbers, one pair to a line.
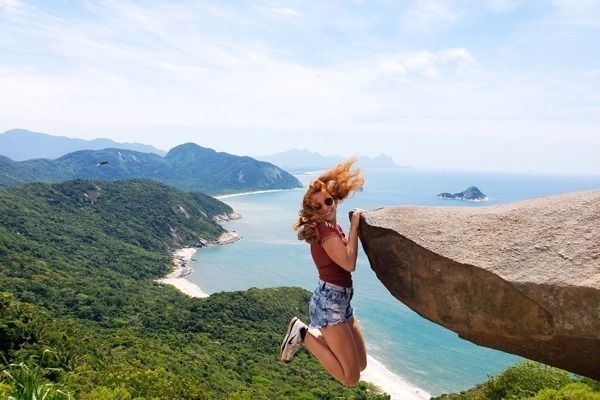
[423,353]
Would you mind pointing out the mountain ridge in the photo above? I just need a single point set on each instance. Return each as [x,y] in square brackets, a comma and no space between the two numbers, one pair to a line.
[187,167]
[303,160]
[23,144]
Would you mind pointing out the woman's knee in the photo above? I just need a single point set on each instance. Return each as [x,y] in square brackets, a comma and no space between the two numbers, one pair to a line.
[351,380]
[351,377]
[363,363]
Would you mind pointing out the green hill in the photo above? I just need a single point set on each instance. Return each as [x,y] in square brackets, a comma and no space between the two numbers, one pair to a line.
[187,167]
[80,311]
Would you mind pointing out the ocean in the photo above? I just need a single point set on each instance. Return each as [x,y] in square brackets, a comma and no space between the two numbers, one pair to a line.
[423,353]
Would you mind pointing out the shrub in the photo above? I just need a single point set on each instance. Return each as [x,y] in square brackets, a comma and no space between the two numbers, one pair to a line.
[572,391]
[104,393]
[525,380]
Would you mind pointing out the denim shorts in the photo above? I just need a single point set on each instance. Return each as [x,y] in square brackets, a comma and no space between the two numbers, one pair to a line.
[330,304]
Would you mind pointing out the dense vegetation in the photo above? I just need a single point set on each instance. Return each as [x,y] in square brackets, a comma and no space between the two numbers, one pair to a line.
[82,317]
[533,381]
[187,167]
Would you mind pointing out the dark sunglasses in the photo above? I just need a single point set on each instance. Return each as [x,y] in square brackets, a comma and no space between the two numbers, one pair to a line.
[317,206]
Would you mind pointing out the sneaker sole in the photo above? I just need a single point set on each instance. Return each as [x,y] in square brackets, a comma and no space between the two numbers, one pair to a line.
[287,337]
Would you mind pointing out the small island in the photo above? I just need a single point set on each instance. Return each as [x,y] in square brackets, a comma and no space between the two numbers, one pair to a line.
[470,194]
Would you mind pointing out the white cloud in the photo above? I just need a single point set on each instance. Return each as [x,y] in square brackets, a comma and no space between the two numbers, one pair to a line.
[583,13]
[287,12]
[10,6]
[465,62]
[501,6]
[424,62]
[432,15]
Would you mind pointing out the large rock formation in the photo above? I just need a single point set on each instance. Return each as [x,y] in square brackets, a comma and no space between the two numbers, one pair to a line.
[521,277]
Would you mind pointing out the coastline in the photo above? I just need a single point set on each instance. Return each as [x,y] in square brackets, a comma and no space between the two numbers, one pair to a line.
[181,258]
[396,387]
[226,196]
[376,373]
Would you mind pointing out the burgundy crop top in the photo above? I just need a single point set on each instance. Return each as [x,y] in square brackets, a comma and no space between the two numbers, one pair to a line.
[328,270]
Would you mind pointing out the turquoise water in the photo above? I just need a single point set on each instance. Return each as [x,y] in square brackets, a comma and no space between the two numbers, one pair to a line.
[423,353]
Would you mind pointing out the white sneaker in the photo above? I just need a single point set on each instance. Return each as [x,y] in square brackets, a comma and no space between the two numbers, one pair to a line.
[293,339]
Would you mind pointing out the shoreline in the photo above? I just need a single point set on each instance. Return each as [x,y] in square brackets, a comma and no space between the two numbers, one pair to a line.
[181,258]
[392,384]
[375,373]
[226,196]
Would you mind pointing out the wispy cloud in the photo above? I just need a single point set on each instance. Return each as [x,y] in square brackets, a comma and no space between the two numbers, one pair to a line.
[8,5]
[434,15]
[502,5]
[574,12]
[300,69]
[464,60]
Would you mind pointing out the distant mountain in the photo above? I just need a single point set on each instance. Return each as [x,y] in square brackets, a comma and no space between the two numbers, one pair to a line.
[470,194]
[21,144]
[296,160]
[187,167]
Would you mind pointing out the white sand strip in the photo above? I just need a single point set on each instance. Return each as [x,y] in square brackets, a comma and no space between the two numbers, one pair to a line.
[226,196]
[176,278]
[391,383]
[187,287]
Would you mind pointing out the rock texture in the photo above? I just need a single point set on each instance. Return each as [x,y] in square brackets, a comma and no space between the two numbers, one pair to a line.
[521,277]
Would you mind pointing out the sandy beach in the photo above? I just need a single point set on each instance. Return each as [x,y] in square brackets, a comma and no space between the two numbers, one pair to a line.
[226,196]
[375,373]
[181,258]
[391,383]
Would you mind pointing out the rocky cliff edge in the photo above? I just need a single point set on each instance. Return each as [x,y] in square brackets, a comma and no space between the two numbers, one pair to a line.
[521,277]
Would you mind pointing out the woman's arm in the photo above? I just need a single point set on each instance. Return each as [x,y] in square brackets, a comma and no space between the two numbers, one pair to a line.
[344,256]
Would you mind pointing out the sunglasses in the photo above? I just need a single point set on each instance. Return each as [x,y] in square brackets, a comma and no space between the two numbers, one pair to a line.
[328,201]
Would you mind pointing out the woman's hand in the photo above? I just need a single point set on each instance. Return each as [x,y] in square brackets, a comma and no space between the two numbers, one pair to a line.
[345,254]
[355,219]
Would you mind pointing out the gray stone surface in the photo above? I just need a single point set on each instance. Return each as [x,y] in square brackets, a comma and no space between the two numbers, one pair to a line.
[521,277]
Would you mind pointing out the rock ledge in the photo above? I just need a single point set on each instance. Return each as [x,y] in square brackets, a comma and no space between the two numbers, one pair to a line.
[521,277]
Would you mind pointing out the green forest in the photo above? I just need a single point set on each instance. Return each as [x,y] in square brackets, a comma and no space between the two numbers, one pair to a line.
[82,317]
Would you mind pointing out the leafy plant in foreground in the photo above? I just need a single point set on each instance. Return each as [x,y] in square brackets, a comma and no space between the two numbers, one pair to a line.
[28,381]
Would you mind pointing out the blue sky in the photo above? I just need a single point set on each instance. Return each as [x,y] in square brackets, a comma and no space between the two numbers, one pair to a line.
[488,85]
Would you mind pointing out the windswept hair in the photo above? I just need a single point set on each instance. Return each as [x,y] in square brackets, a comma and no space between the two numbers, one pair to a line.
[339,182]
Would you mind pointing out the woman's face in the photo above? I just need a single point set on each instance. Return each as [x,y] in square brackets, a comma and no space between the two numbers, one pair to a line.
[328,206]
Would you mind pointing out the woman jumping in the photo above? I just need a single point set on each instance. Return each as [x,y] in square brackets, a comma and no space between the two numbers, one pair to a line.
[334,336]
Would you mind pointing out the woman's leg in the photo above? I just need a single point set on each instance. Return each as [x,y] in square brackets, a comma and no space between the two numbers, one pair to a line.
[359,341]
[337,351]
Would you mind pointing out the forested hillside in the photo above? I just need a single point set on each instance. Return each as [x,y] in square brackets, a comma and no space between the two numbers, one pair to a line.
[187,167]
[81,314]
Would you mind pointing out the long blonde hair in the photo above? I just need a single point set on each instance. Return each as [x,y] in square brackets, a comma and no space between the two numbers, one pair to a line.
[340,182]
